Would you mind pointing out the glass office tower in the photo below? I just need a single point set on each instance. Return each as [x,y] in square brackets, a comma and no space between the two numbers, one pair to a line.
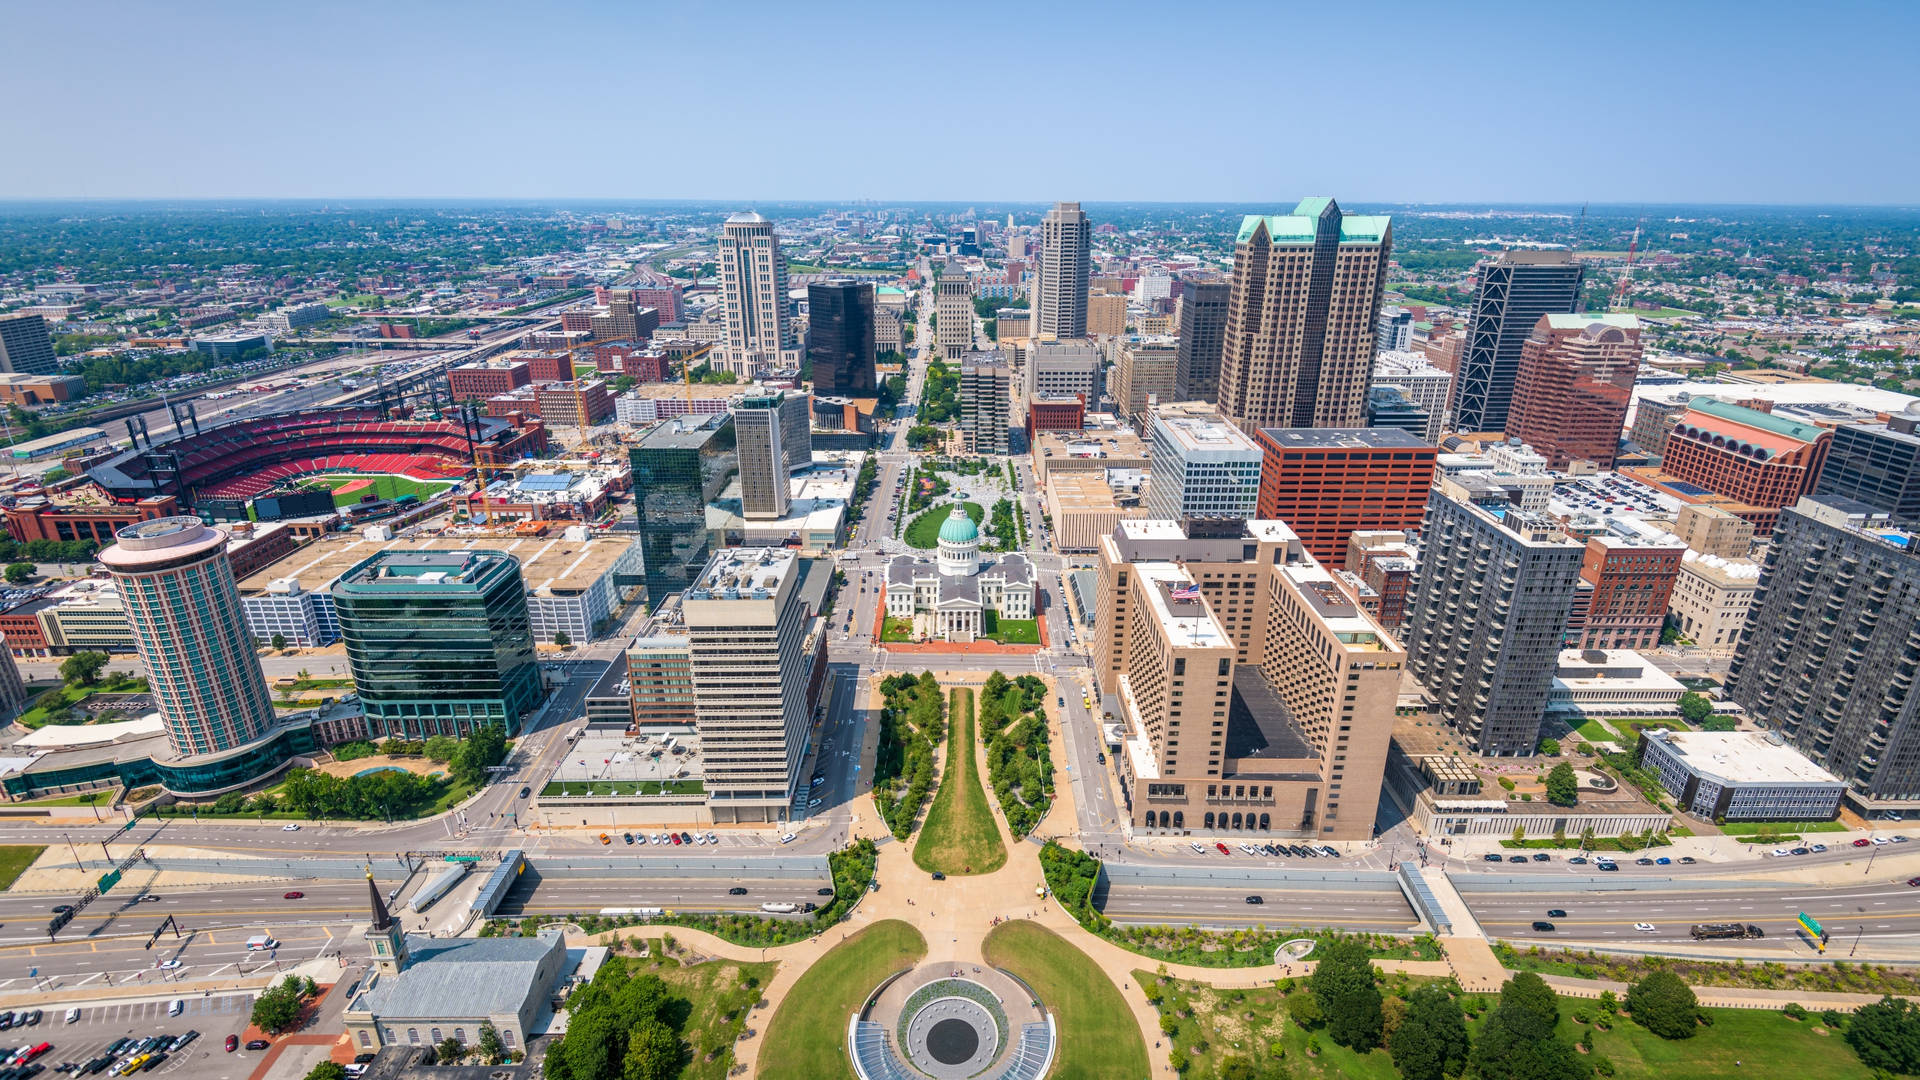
[679,467]
[439,642]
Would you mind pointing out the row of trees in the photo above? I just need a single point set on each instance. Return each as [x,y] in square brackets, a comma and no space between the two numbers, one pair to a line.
[912,723]
[1013,726]
[387,794]
[940,394]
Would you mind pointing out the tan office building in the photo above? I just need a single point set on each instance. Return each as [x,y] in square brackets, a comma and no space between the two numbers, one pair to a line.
[1255,697]
[1145,374]
[1711,598]
[1106,315]
[1301,318]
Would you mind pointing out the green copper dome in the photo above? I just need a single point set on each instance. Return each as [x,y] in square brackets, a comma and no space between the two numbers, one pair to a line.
[959,528]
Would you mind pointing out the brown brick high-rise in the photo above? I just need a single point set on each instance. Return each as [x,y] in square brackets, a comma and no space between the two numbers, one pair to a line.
[1328,483]
[1575,382]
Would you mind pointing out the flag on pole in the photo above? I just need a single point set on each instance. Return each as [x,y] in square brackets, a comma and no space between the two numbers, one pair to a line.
[1185,592]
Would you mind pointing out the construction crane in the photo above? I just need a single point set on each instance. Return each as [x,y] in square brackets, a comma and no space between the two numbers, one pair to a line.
[1626,276]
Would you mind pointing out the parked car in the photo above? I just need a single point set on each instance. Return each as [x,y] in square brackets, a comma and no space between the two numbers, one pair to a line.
[1862,842]
[1516,858]
[1197,849]
[1492,857]
[258,1044]
[605,839]
[1578,860]
[1541,856]
[1222,848]
[1688,860]
[628,837]
[1643,861]
[1663,861]
[938,876]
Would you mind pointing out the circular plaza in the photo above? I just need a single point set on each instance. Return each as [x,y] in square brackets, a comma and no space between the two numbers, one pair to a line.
[947,1021]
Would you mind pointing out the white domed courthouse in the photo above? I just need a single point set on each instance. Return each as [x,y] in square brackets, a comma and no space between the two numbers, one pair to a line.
[955,588]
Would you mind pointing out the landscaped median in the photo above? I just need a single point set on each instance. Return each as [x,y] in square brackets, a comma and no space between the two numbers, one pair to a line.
[807,1039]
[960,836]
[1098,1036]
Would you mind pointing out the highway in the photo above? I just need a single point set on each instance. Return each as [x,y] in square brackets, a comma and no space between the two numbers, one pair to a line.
[1370,909]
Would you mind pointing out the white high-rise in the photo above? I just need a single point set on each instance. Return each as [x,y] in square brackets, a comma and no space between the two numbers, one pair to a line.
[753,292]
[1064,270]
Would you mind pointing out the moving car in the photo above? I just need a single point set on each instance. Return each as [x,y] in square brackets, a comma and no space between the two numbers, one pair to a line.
[1543,926]
[1646,928]
[737,891]
[233,1043]
[294,895]
[1256,899]
[1556,913]
[938,876]
[289,827]
[525,791]
[168,965]
[1913,883]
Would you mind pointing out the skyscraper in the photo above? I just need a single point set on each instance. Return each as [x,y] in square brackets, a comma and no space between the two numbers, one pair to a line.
[679,467]
[1829,655]
[746,627]
[439,642]
[181,604]
[1298,350]
[1487,616]
[953,314]
[764,488]
[1328,483]
[840,338]
[1203,331]
[1575,382]
[25,346]
[753,292]
[1064,269]
[1515,290]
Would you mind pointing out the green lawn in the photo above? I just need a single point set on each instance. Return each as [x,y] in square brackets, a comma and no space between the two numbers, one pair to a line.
[386,487]
[1012,631]
[722,993]
[1632,728]
[14,860]
[1746,828]
[1594,732]
[924,531]
[807,1038]
[1665,313]
[1098,1037]
[92,798]
[897,630]
[1253,1023]
[61,698]
[959,835]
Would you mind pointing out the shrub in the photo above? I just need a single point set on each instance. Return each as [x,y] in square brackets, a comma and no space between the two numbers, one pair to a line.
[1664,1005]
[1794,1010]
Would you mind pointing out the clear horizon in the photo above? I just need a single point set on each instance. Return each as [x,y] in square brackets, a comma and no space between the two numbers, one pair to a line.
[1502,104]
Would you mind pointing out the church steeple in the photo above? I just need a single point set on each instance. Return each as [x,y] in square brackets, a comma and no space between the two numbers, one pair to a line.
[385,937]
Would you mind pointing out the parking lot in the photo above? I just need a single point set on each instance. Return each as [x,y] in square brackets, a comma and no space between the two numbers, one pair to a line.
[100,1026]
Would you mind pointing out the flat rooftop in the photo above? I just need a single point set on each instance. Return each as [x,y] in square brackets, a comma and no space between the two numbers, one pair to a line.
[611,756]
[1343,438]
[745,570]
[1089,444]
[1186,622]
[1744,757]
[1197,435]
[559,565]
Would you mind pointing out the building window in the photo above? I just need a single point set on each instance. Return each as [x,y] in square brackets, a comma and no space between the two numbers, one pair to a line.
[366,1040]
[460,1036]
[413,1036]
[1209,819]
[437,1040]
[507,1038]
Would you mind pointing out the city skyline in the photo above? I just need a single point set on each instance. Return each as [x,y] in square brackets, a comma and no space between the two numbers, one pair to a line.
[1814,102]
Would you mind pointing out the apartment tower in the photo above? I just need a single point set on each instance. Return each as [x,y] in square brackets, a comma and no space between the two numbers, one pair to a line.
[1062,274]
[753,294]
[1515,291]
[986,393]
[1487,617]
[177,589]
[1298,348]
[765,489]
[26,348]
[953,314]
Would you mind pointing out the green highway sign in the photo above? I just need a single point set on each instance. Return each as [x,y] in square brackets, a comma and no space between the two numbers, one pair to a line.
[463,858]
[108,880]
[1806,921]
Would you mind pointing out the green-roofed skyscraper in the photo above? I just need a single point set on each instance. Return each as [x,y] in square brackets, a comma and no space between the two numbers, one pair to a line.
[1300,318]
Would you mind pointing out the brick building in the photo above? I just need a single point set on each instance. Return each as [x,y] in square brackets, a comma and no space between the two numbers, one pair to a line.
[487,379]
[1055,414]
[76,516]
[1632,579]
[1760,461]
[1327,483]
[1573,387]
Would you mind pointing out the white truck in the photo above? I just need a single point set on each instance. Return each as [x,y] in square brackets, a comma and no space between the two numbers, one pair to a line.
[261,943]
[780,908]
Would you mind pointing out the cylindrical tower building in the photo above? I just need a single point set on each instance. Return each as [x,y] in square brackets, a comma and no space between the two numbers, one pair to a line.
[184,611]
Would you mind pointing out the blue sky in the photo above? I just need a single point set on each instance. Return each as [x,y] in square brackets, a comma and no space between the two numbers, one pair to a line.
[1678,101]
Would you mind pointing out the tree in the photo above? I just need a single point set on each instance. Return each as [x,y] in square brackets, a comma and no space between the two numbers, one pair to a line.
[1563,788]
[278,1009]
[327,1070]
[653,1053]
[19,573]
[1664,1005]
[1695,708]
[1550,747]
[490,1045]
[562,638]
[1886,1035]
[1242,1067]
[485,747]
[83,668]
[1343,983]
[279,641]
[450,1051]
[441,748]
[1518,1041]
[1431,1041]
